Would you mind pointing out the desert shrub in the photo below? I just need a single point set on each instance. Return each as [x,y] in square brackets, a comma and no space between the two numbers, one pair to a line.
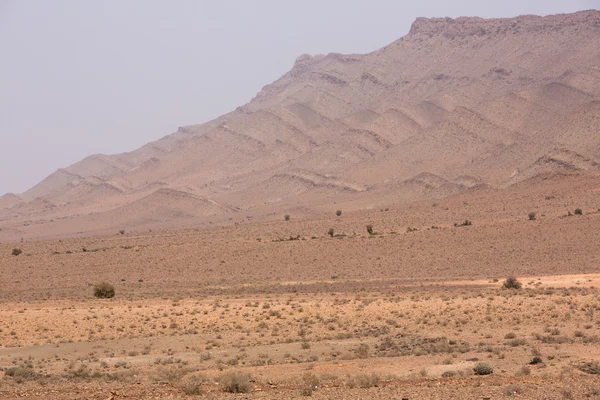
[171,373]
[510,335]
[338,213]
[532,216]
[16,252]
[235,382]
[192,385]
[370,229]
[483,369]
[448,374]
[330,232]
[536,360]
[122,231]
[465,223]
[512,283]
[104,290]
[578,211]
[286,217]
[362,351]
[367,381]
[24,372]
[306,391]
[524,371]
[513,390]
[592,368]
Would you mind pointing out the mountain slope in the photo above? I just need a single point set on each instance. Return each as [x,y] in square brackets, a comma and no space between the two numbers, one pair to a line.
[486,102]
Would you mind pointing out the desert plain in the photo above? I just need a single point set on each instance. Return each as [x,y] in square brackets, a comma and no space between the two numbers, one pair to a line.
[288,309]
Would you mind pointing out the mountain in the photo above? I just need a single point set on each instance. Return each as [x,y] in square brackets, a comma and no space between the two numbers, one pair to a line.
[455,105]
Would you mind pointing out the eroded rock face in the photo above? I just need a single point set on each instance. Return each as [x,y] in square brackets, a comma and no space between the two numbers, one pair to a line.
[474,26]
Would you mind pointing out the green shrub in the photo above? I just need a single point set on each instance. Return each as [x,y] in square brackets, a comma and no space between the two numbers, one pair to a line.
[104,290]
[483,369]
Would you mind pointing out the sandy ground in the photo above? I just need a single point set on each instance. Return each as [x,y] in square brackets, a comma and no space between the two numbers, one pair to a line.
[401,313]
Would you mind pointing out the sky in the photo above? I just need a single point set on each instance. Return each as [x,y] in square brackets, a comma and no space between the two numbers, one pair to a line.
[81,77]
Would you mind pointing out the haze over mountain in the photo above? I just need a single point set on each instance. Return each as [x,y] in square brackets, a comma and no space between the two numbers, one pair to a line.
[456,105]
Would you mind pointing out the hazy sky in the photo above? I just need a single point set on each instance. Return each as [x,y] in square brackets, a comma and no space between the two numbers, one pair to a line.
[82,77]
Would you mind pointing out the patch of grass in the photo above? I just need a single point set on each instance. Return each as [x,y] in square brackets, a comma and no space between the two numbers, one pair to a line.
[104,290]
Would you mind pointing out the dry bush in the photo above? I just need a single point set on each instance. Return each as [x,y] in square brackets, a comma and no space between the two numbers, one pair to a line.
[171,374]
[193,385]
[592,368]
[362,351]
[104,290]
[367,381]
[532,216]
[512,283]
[370,229]
[22,373]
[235,382]
[578,211]
[16,252]
[338,213]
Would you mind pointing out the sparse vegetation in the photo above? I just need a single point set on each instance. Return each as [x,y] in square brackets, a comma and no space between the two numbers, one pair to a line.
[235,382]
[338,213]
[330,232]
[532,216]
[466,222]
[578,211]
[193,385]
[370,229]
[122,231]
[482,368]
[286,217]
[104,290]
[592,368]
[16,252]
[512,283]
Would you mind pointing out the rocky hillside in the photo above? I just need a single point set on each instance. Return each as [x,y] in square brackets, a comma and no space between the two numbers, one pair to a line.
[455,105]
